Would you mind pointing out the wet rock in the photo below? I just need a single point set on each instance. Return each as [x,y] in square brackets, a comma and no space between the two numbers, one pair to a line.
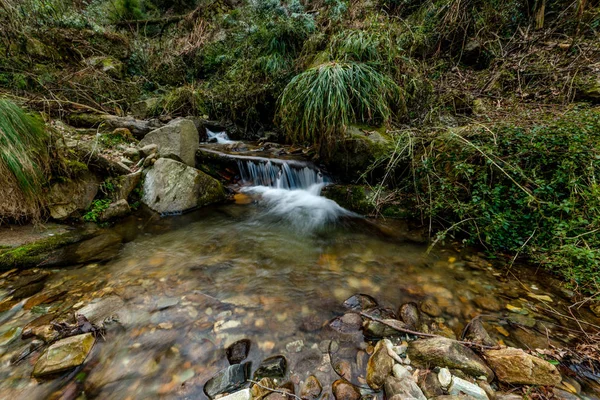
[117,209]
[178,139]
[379,366]
[101,309]
[409,313]
[241,395]
[311,389]
[461,386]
[343,369]
[373,329]
[99,248]
[347,323]
[430,308]
[27,291]
[402,385]
[514,366]
[447,353]
[295,346]
[10,335]
[311,323]
[344,390]
[237,352]
[476,333]
[488,303]
[430,385]
[262,390]
[273,367]
[64,355]
[45,297]
[487,388]
[72,197]
[360,302]
[228,380]
[166,302]
[171,186]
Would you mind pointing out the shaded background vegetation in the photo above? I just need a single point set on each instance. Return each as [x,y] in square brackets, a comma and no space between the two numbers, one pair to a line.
[487,110]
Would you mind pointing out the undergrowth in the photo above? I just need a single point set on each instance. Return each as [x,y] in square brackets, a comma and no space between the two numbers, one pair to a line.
[529,191]
[318,105]
[24,160]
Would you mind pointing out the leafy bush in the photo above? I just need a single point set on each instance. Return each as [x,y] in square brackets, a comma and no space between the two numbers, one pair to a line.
[96,209]
[319,104]
[531,191]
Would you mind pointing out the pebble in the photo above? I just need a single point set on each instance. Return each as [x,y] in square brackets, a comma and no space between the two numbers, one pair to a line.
[445,377]
[459,386]
[295,346]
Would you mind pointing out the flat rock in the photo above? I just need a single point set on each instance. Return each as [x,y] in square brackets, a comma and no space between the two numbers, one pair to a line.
[117,209]
[171,187]
[514,366]
[178,140]
[237,352]
[311,389]
[63,355]
[98,311]
[228,380]
[461,386]
[344,390]
[272,367]
[379,366]
[442,352]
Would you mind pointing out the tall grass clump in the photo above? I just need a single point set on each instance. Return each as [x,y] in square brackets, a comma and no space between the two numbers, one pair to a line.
[23,162]
[318,105]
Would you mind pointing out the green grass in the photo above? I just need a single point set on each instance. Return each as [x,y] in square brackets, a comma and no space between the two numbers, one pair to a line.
[319,104]
[23,151]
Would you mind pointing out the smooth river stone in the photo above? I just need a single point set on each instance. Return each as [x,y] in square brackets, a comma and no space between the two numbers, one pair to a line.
[63,355]
[272,367]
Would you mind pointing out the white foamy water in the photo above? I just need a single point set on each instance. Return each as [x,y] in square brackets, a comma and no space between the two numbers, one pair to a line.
[304,209]
[221,137]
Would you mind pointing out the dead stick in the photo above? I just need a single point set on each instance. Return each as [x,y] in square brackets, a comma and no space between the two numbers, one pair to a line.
[275,390]
[429,335]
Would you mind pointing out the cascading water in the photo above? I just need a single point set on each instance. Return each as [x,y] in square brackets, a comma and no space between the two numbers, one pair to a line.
[290,191]
[219,137]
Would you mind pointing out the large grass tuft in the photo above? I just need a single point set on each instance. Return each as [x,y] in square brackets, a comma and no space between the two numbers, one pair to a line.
[318,105]
[23,161]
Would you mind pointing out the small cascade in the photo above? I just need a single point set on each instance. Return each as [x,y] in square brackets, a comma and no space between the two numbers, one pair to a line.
[282,175]
[220,137]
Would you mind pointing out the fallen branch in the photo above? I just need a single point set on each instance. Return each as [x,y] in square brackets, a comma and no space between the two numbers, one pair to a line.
[275,390]
[428,335]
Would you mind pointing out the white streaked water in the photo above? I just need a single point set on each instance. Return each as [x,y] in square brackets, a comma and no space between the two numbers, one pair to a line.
[279,175]
[221,137]
[290,192]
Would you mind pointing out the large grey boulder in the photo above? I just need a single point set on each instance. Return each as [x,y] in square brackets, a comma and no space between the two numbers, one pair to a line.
[178,140]
[171,186]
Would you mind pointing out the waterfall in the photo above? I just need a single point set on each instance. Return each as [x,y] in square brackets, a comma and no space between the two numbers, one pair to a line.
[219,137]
[280,175]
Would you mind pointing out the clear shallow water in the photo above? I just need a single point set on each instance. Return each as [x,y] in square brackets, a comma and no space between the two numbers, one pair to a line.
[194,284]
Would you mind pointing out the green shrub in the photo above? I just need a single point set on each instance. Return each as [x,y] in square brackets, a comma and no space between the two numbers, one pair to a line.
[319,104]
[526,190]
[96,209]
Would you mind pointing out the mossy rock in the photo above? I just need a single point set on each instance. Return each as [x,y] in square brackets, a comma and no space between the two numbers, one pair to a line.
[33,254]
[361,147]
[351,197]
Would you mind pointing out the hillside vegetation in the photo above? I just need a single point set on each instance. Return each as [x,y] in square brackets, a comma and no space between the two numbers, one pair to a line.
[488,108]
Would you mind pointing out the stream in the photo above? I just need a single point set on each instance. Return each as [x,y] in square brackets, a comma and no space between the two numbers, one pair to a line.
[274,268]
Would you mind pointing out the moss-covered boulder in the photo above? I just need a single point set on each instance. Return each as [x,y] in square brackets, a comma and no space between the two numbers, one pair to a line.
[361,147]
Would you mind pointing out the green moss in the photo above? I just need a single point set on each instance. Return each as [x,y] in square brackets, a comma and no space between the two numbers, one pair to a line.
[32,254]
[351,197]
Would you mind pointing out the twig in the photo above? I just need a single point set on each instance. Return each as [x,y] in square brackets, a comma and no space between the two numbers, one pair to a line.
[275,390]
[429,335]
